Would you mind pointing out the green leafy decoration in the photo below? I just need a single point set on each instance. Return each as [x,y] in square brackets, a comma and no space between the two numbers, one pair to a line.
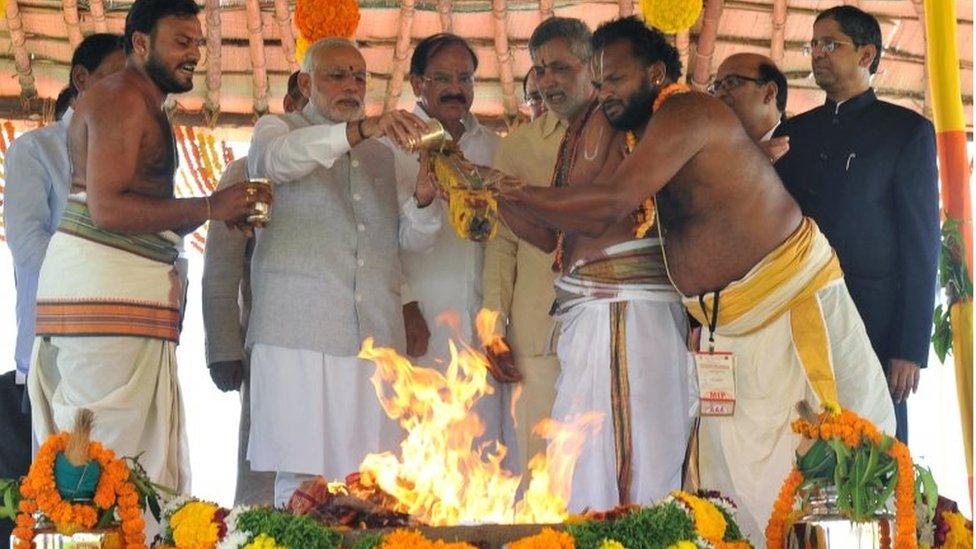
[288,530]
[368,541]
[955,281]
[10,494]
[654,527]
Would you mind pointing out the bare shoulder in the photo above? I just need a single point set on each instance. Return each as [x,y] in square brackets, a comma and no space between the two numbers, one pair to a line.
[114,97]
[696,106]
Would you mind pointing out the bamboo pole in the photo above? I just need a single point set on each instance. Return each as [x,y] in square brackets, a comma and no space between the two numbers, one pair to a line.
[919,6]
[504,55]
[22,59]
[401,53]
[259,66]
[446,8]
[545,9]
[97,9]
[777,44]
[626,8]
[682,40]
[69,10]
[283,18]
[705,48]
[211,106]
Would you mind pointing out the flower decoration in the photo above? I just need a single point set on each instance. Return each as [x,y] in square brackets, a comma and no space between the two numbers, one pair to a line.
[193,525]
[41,495]
[840,436]
[546,539]
[317,19]
[671,16]
[413,539]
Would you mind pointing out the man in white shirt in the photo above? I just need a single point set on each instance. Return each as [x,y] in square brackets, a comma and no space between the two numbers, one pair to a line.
[756,90]
[38,177]
[446,278]
[325,273]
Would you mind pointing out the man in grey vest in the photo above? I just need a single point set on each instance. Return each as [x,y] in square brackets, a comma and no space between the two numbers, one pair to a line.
[325,273]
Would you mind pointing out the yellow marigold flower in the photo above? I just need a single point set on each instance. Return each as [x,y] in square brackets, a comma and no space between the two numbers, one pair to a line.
[193,524]
[546,539]
[683,545]
[263,541]
[611,544]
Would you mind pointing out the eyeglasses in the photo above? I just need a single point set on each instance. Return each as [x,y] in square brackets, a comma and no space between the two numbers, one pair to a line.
[444,79]
[730,82]
[826,45]
[533,99]
[339,76]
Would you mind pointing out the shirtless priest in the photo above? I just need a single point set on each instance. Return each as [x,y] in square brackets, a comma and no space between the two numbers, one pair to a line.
[760,277]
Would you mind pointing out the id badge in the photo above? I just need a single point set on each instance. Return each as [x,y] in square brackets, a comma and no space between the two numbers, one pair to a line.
[716,383]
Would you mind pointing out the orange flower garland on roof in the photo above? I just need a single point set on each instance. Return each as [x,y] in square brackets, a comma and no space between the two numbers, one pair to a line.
[317,19]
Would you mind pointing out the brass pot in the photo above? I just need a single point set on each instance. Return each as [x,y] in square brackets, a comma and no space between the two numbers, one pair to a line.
[93,539]
[823,527]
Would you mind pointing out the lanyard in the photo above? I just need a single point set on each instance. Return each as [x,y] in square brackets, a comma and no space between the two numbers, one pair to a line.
[713,321]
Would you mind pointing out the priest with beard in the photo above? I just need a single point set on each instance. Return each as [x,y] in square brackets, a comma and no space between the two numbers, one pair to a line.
[110,292]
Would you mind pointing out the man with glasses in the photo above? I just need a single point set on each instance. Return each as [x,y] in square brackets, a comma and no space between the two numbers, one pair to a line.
[325,273]
[622,348]
[865,171]
[755,89]
[446,278]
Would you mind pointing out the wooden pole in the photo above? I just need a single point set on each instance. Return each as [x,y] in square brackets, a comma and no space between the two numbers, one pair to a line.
[255,37]
[401,56]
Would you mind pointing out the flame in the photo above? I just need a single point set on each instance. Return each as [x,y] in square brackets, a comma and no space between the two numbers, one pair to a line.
[442,477]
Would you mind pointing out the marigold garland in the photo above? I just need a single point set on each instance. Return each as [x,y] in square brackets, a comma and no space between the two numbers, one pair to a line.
[671,16]
[546,539]
[317,19]
[40,494]
[647,213]
[852,430]
[413,539]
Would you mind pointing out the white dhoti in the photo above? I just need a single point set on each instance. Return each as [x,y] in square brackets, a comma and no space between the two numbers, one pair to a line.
[771,321]
[622,352]
[130,384]
[108,317]
[314,414]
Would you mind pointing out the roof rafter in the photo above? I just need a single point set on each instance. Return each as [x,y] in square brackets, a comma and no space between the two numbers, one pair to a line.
[211,106]
[22,58]
[401,51]
[259,64]
[705,48]
[282,15]
[446,10]
[545,9]
[626,8]
[97,10]
[777,43]
[504,54]
[69,10]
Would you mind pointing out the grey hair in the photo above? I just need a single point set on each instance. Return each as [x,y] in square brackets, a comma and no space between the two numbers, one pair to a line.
[570,28]
[308,61]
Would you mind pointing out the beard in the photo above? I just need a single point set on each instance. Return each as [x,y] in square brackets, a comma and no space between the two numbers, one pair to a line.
[637,109]
[165,79]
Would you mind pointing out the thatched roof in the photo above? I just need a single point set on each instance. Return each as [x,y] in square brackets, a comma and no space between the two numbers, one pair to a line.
[257,43]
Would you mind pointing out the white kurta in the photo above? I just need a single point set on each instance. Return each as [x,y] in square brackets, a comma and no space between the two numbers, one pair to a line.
[317,429]
[447,277]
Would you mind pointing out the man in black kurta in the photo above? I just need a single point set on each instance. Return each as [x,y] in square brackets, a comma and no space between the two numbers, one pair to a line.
[865,171]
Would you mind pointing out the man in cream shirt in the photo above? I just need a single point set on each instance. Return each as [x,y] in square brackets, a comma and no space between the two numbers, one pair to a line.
[518,277]
[325,273]
[447,277]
